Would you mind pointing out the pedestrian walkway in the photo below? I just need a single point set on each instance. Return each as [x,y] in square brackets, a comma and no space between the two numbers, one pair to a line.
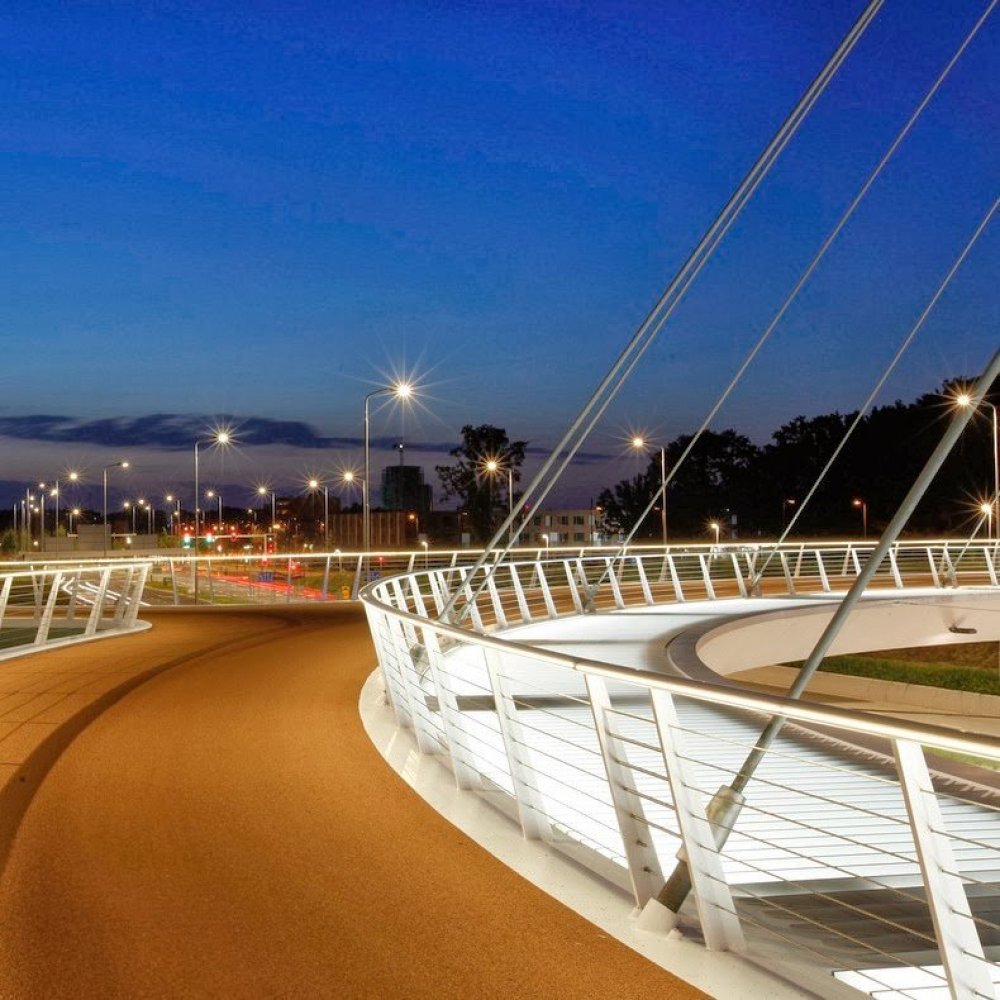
[226,828]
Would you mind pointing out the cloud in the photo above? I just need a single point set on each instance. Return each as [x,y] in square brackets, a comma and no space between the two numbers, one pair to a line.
[177,432]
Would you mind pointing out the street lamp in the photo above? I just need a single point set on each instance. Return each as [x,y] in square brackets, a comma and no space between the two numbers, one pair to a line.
[492,466]
[209,495]
[350,477]
[315,484]
[175,514]
[785,504]
[858,502]
[150,516]
[220,438]
[73,477]
[402,391]
[640,444]
[75,512]
[963,399]
[129,506]
[716,527]
[423,544]
[262,491]
[113,465]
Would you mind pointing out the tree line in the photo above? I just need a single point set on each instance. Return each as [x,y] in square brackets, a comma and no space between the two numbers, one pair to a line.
[751,490]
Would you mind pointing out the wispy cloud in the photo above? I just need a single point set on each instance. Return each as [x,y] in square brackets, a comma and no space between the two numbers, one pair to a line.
[177,432]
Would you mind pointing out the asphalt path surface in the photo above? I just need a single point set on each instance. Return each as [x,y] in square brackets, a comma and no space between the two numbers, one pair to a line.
[226,829]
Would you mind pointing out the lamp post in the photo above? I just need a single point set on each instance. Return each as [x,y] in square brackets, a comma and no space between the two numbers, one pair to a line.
[492,467]
[863,504]
[423,545]
[73,477]
[41,516]
[220,438]
[640,444]
[175,514]
[785,504]
[986,509]
[113,465]
[716,527]
[74,512]
[350,477]
[262,491]
[315,484]
[402,391]
[210,495]
[963,399]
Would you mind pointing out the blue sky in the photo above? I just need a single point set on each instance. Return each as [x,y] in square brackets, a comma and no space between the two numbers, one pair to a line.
[262,210]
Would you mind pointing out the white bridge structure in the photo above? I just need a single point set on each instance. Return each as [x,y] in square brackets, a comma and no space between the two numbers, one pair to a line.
[44,606]
[587,698]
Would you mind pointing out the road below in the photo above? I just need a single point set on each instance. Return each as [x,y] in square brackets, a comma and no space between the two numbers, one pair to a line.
[227,830]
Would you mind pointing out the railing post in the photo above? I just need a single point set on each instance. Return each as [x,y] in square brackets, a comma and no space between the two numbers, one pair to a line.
[522,600]
[643,864]
[466,775]
[543,585]
[716,910]
[121,603]
[410,682]
[530,807]
[325,589]
[499,615]
[824,580]
[173,581]
[706,576]
[5,597]
[74,586]
[135,595]
[94,619]
[958,940]
[50,606]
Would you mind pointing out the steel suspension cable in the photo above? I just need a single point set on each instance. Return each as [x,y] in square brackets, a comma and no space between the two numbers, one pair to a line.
[729,800]
[873,395]
[541,484]
[804,277]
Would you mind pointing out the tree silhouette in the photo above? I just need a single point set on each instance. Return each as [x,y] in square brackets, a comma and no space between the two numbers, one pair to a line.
[482,495]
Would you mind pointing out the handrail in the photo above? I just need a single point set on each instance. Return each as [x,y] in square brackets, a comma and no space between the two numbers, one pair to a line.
[827,715]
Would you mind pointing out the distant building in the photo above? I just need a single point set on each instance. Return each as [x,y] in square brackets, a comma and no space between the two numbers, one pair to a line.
[562,527]
[403,488]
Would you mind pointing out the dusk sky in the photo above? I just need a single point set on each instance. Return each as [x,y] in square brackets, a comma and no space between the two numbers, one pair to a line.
[265,211]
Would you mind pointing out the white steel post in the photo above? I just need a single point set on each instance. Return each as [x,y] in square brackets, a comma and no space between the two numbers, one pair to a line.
[643,864]
[466,774]
[97,610]
[958,941]
[8,583]
[50,606]
[716,910]
[121,602]
[530,807]
[135,595]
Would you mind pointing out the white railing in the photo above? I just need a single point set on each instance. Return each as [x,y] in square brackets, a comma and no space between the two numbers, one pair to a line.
[41,607]
[869,868]
[678,572]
